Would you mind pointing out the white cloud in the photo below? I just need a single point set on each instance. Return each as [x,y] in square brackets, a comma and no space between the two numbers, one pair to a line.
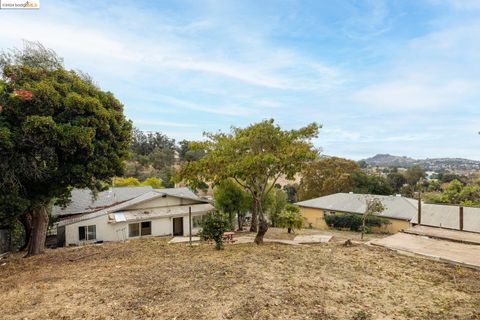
[414,93]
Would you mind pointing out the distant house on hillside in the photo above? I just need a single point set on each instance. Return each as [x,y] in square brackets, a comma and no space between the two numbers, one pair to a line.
[129,212]
[399,210]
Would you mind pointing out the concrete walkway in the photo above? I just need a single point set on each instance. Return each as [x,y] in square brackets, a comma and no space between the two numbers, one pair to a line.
[303,239]
[183,240]
[445,234]
[312,238]
[466,255]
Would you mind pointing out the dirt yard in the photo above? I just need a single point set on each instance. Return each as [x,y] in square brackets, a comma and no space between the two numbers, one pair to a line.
[149,279]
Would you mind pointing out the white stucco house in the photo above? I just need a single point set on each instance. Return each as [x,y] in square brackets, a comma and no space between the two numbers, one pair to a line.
[129,212]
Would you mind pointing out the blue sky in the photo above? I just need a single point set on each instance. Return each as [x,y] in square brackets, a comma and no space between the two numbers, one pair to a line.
[399,77]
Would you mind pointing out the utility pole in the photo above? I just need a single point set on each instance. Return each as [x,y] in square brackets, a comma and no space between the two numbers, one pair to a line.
[190,224]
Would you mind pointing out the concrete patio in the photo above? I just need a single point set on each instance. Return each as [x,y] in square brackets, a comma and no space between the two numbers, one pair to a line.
[466,255]
[445,234]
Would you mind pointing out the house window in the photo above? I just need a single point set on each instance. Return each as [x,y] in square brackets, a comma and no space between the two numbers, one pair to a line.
[197,221]
[133,230]
[87,233]
[146,228]
[140,229]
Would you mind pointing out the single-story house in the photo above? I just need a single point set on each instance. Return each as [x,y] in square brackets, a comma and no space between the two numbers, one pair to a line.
[128,212]
[450,217]
[398,210]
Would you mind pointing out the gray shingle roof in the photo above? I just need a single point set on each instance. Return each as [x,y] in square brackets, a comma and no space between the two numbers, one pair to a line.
[82,200]
[396,207]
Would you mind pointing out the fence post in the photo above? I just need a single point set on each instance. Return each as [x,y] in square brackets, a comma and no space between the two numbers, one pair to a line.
[419,209]
[461,218]
[190,224]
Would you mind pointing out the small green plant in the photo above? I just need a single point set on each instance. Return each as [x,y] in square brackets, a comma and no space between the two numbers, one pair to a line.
[290,218]
[362,315]
[213,227]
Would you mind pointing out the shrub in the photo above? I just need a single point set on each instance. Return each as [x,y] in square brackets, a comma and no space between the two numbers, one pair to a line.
[213,226]
[352,221]
[290,218]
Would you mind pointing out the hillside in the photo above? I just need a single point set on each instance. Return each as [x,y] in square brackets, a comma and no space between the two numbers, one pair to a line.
[434,164]
[150,279]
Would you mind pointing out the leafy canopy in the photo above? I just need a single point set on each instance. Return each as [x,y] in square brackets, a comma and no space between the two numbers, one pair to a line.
[57,129]
[327,176]
[252,156]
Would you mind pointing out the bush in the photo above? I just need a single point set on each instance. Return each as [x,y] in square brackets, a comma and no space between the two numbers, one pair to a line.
[290,218]
[213,227]
[352,221]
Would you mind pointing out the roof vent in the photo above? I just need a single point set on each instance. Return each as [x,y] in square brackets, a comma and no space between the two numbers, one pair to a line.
[351,192]
[398,195]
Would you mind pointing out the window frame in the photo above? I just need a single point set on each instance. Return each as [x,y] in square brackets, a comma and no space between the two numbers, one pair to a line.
[139,228]
[87,234]
[130,232]
[142,228]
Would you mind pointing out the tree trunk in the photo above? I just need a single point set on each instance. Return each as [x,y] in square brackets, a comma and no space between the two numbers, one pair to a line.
[26,221]
[240,221]
[36,243]
[289,230]
[263,225]
[253,224]
[363,228]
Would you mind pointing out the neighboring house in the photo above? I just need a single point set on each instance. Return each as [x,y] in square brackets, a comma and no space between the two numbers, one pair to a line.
[129,212]
[449,217]
[398,210]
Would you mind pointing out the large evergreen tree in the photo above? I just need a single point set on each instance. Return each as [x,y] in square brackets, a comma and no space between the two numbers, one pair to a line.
[58,131]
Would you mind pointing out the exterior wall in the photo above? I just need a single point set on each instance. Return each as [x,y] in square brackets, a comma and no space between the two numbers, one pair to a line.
[394,226]
[106,231]
[314,217]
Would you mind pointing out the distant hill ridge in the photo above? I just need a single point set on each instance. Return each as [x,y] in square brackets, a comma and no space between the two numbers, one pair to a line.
[387,160]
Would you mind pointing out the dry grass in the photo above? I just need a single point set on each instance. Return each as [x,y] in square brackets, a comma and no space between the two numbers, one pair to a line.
[149,279]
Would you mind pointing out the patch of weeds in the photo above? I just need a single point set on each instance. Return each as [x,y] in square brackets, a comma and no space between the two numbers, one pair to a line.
[362,315]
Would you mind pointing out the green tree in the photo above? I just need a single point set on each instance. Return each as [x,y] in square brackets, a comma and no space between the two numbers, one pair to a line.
[232,199]
[188,154]
[396,180]
[327,176]
[414,174]
[291,191]
[213,226]
[125,182]
[368,184]
[278,205]
[373,207]
[152,182]
[290,218]
[255,157]
[57,131]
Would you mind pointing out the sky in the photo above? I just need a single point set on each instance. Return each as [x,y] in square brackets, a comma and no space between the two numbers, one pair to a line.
[399,77]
